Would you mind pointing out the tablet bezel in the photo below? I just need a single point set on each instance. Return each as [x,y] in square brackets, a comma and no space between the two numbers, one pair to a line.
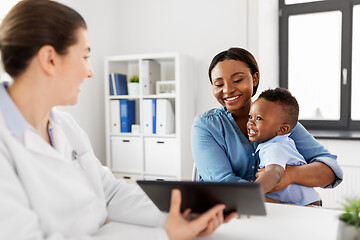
[246,198]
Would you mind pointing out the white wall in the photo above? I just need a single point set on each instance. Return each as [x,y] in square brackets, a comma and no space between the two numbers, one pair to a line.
[263,38]
[200,29]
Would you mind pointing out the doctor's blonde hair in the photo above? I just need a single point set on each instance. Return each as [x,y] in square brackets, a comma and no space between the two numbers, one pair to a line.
[31,24]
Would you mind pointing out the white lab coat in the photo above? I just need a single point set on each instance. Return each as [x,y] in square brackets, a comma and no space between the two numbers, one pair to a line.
[46,194]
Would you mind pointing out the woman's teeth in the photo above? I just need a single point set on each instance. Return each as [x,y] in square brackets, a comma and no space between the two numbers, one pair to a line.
[232,98]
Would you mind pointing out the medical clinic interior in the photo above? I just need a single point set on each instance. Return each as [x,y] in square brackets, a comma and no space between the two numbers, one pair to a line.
[153,87]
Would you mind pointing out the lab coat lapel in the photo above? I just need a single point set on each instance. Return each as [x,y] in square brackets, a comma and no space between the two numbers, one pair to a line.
[62,150]
[61,142]
[33,142]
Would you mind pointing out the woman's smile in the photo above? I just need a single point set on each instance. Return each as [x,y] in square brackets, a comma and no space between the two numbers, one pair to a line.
[233,85]
[232,99]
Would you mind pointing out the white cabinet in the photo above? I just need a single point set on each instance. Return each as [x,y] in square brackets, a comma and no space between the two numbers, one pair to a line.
[129,178]
[158,147]
[161,156]
[126,154]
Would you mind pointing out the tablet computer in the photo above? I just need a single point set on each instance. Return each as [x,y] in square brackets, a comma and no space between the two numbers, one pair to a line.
[246,198]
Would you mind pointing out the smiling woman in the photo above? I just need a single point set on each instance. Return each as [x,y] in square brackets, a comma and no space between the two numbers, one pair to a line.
[220,142]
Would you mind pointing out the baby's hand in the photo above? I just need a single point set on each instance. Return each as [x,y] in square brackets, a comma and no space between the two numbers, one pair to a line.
[286,178]
[259,172]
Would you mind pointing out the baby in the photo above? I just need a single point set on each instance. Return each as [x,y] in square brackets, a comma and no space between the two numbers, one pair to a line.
[271,118]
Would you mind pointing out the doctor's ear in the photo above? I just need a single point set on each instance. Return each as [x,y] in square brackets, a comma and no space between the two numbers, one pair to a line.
[47,58]
[284,129]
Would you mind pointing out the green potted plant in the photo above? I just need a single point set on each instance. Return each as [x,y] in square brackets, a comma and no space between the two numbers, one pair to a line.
[133,85]
[349,225]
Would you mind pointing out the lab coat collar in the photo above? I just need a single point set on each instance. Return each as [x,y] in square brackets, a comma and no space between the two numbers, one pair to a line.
[14,120]
[28,136]
[60,141]
[33,142]
[61,147]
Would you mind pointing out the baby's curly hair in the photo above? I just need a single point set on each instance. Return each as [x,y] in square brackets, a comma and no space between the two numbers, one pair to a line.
[287,101]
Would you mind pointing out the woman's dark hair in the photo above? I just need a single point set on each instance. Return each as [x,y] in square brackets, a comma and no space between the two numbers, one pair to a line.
[31,24]
[238,54]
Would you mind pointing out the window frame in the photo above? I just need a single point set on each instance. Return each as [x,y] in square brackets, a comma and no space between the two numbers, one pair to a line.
[345,7]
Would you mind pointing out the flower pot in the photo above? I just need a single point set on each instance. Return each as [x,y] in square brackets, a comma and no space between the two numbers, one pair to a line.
[347,232]
[133,88]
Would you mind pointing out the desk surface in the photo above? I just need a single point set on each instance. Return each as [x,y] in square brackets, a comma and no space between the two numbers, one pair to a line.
[282,222]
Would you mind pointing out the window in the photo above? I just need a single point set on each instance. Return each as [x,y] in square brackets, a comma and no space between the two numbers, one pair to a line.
[355,89]
[320,61]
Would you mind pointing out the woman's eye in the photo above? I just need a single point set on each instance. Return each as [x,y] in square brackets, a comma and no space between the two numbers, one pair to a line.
[218,84]
[238,80]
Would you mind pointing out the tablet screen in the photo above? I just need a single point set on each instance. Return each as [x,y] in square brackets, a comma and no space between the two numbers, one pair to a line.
[246,198]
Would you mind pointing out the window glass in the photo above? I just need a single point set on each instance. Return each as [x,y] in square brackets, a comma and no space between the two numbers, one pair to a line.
[355,85]
[314,64]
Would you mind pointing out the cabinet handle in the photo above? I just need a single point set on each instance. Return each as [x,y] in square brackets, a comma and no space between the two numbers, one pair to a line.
[126,140]
[126,177]
[160,179]
[160,142]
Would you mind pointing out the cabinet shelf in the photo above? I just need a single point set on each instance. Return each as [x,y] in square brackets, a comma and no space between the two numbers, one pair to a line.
[125,135]
[124,97]
[143,135]
[165,155]
[160,136]
[158,96]
[153,96]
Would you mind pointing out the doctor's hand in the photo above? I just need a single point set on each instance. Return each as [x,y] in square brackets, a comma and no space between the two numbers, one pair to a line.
[186,226]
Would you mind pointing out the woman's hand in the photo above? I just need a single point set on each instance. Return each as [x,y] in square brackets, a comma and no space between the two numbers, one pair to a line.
[286,179]
[186,226]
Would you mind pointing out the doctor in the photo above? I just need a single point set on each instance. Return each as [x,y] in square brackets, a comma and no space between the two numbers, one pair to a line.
[52,186]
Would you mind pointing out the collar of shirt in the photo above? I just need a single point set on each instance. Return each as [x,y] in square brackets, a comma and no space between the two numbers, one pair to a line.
[14,120]
[278,138]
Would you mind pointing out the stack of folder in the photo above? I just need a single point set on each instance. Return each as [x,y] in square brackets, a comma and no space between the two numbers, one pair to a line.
[150,74]
[118,84]
[122,115]
[159,117]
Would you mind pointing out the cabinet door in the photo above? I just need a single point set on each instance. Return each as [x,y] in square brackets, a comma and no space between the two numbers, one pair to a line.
[126,154]
[160,178]
[129,178]
[161,156]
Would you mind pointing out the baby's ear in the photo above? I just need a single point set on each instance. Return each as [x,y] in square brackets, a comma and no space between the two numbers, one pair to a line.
[283,129]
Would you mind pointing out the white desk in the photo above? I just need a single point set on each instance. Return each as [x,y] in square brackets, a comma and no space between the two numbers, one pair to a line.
[282,222]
